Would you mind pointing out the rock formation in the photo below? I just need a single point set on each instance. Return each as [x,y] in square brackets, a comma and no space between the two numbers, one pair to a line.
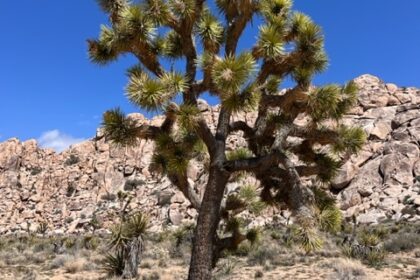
[71,189]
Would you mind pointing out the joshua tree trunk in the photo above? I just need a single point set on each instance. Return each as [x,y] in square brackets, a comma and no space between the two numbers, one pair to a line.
[205,232]
[132,258]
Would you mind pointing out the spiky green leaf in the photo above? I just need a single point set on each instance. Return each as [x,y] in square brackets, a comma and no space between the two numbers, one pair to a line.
[239,153]
[323,102]
[211,32]
[270,42]
[147,93]
[172,45]
[328,167]
[350,139]
[330,219]
[230,74]
[188,116]
[135,226]
[118,128]
[248,193]
[275,11]
[183,9]
[253,236]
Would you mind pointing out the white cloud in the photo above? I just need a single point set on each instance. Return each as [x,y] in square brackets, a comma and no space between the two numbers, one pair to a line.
[57,140]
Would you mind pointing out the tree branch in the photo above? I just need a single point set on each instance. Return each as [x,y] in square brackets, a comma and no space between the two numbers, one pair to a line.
[237,25]
[181,181]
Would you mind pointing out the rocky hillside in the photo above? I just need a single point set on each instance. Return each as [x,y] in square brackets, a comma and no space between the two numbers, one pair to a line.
[67,190]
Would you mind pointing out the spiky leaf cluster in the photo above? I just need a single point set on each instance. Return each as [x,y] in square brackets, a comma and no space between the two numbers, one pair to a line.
[132,228]
[119,128]
[153,94]
[308,239]
[239,153]
[275,11]
[182,8]
[350,139]
[270,42]
[230,73]
[211,32]
[113,264]
[330,217]
[173,152]
[331,101]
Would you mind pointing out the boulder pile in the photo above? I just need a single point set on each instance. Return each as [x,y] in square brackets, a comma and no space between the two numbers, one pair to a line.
[90,183]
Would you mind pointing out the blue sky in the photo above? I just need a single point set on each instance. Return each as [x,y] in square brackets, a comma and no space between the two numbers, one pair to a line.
[51,92]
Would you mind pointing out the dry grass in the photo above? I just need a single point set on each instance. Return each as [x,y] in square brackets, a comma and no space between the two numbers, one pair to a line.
[167,256]
[73,266]
[347,269]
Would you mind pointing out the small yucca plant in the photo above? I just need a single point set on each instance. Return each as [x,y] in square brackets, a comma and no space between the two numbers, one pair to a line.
[127,242]
[42,228]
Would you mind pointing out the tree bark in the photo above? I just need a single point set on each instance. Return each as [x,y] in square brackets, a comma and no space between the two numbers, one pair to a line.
[132,258]
[207,223]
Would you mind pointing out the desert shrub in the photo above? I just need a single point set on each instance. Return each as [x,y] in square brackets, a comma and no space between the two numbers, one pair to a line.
[161,236]
[70,243]
[375,258]
[36,170]
[162,263]
[71,160]
[90,242]
[152,276]
[70,190]
[261,255]
[89,266]
[132,184]
[58,262]
[146,265]
[346,269]
[180,241]
[258,274]
[415,274]
[369,239]
[225,268]
[109,197]
[35,258]
[402,242]
[42,228]
[73,266]
[95,223]
[68,220]
[372,256]
[243,249]
[275,235]
[30,275]
[41,246]
[183,234]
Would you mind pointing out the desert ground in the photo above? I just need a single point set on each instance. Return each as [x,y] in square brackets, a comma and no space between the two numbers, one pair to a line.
[166,256]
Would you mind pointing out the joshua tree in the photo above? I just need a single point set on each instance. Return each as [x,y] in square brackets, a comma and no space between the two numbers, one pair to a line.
[203,37]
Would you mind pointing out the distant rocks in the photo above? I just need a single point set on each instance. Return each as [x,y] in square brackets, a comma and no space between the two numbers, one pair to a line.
[69,190]
[386,182]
